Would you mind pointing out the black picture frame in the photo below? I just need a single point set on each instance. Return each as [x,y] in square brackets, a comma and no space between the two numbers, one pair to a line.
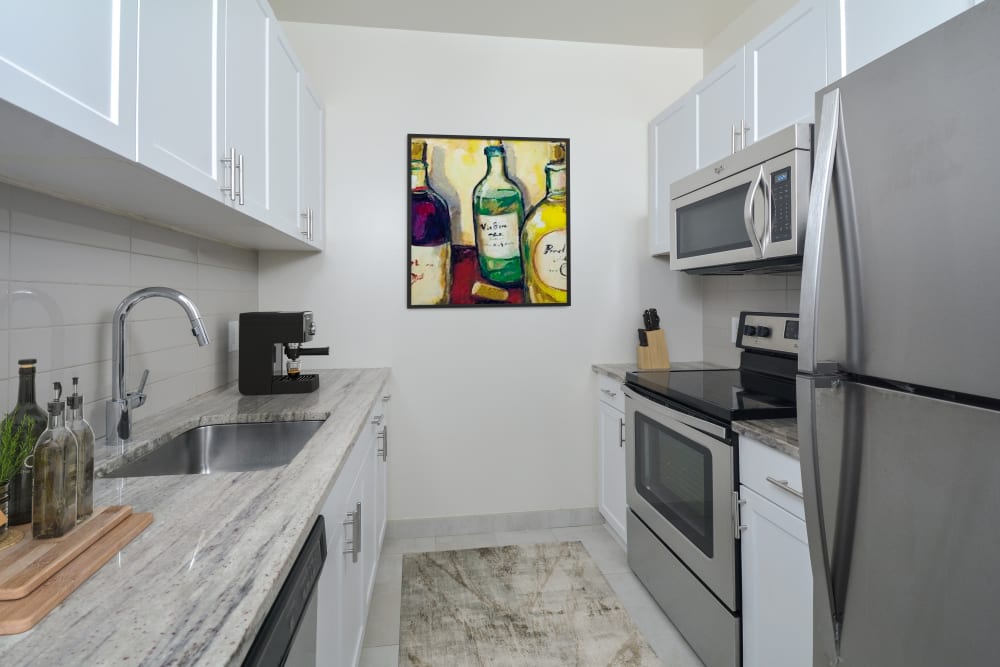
[459,299]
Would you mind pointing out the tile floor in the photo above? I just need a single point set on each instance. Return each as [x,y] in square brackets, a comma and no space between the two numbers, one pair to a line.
[381,642]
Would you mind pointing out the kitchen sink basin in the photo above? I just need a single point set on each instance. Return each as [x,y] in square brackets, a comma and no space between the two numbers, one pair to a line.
[224,448]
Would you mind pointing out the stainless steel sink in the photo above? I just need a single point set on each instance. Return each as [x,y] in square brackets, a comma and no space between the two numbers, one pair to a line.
[224,448]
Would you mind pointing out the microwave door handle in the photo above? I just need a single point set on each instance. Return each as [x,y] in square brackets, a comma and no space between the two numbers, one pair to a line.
[748,213]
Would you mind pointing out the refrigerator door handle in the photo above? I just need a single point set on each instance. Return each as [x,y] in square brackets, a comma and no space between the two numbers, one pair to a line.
[819,205]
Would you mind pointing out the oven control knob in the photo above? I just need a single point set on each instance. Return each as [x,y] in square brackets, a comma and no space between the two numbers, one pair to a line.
[749,330]
[763,331]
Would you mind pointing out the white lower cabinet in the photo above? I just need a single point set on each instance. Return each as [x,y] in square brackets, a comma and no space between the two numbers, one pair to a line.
[355,524]
[611,429]
[777,576]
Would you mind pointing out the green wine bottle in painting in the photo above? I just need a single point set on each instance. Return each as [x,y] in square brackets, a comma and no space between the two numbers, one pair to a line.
[430,235]
[544,243]
[498,212]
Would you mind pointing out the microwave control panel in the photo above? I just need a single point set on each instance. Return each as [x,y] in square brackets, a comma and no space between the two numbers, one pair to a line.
[771,332]
[781,205]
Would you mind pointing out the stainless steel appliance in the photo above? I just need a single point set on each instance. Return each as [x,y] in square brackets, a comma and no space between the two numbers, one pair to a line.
[266,339]
[745,213]
[899,385]
[682,480]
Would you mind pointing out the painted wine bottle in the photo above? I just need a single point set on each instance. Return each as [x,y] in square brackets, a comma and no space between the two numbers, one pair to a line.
[544,242]
[430,235]
[498,212]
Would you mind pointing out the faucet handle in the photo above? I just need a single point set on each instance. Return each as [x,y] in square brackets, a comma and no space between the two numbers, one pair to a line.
[137,399]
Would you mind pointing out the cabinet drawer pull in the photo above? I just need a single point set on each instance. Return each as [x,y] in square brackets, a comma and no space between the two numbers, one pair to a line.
[383,451]
[377,419]
[784,486]
[353,545]
[621,432]
[610,393]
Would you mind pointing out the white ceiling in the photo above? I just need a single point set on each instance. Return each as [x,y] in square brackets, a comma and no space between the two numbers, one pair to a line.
[676,23]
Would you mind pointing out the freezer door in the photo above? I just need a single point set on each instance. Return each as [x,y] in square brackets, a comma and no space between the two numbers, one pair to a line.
[902,494]
[902,257]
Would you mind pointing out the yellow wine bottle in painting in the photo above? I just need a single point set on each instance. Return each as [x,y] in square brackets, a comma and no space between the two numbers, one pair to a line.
[544,242]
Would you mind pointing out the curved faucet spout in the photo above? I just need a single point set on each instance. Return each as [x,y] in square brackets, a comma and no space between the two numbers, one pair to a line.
[121,403]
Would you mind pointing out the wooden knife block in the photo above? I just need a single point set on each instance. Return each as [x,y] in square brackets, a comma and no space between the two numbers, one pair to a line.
[654,356]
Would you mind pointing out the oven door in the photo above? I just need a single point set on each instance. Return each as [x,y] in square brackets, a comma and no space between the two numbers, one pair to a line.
[754,215]
[681,484]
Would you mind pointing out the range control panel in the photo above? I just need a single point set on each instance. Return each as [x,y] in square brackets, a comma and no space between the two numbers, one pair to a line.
[770,332]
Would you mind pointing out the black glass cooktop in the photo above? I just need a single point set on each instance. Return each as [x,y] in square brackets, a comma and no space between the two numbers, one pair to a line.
[726,394]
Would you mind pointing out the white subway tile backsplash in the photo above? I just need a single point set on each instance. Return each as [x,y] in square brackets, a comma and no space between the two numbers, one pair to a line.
[217,254]
[44,260]
[61,347]
[221,278]
[162,242]
[63,270]
[35,214]
[4,253]
[147,271]
[58,304]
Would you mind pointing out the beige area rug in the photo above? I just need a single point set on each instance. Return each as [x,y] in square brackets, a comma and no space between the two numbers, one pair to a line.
[538,605]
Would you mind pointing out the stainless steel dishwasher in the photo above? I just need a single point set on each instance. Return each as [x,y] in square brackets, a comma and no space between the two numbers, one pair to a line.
[288,635]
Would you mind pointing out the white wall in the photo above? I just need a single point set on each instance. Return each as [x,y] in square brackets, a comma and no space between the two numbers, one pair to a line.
[493,409]
[756,17]
[63,270]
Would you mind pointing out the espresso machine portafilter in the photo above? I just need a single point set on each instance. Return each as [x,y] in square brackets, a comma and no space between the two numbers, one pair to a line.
[270,352]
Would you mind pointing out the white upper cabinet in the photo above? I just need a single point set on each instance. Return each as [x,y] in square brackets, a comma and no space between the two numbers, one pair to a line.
[181,140]
[673,154]
[311,174]
[873,28]
[282,136]
[720,100]
[248,23]
[785,65]
[74,64]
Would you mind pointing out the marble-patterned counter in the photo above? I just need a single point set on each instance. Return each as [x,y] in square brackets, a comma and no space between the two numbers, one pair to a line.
[780,434]
[195,586]
[618,371]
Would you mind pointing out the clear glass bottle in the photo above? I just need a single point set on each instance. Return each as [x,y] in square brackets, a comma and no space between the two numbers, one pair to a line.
[53,503]
[20,484]
[498,212]
[84,434]
[544,242]
[430,235]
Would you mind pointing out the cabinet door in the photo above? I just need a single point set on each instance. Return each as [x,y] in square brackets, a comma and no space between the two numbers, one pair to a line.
[785,65]
[311,171]
[872,29]
[673,154]
[74,64]
[612,467]
[180,91]
[777,586]
[248,23]
[282,135]
[720,103]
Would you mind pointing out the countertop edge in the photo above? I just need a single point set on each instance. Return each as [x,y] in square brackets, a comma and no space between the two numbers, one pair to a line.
[779,434]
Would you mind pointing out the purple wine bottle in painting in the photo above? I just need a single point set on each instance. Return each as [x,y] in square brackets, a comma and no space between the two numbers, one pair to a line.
[430,235]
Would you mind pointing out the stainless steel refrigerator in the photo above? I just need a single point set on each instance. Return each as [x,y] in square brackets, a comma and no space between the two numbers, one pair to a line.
[899,364]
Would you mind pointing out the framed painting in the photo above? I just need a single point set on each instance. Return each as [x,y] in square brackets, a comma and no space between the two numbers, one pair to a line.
[487,221]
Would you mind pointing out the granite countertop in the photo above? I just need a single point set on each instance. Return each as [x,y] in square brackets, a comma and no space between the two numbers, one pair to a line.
[195,586]
[618,371]
[780,434]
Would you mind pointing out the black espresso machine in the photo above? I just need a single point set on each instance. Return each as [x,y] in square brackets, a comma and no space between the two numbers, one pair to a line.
[270,351]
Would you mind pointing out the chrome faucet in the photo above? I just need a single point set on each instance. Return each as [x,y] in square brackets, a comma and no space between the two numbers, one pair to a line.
[122,402]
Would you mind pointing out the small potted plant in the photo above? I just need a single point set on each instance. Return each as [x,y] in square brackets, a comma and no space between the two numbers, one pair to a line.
[15,448]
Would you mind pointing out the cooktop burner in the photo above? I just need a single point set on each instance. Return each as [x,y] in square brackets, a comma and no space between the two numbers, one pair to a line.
[726,394]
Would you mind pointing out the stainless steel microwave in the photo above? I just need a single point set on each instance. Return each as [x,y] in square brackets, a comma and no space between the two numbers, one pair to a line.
[747,212]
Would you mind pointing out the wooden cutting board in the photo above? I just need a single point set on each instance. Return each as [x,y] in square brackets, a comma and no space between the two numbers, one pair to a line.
[29,563]
[22,615]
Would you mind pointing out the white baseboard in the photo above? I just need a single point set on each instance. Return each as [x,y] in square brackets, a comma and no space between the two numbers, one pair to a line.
[493,523]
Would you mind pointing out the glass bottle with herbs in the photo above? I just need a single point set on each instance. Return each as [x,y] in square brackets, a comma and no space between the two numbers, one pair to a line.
[16,445]
[85,458]
[53,506]
[26,408]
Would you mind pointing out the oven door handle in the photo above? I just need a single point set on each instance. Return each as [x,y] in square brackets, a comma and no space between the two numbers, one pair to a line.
[675,415]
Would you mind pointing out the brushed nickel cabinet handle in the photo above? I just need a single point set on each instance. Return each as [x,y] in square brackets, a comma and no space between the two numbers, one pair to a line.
[383,451]
[231,162]
[353,545]
[784,486]
[239,166]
